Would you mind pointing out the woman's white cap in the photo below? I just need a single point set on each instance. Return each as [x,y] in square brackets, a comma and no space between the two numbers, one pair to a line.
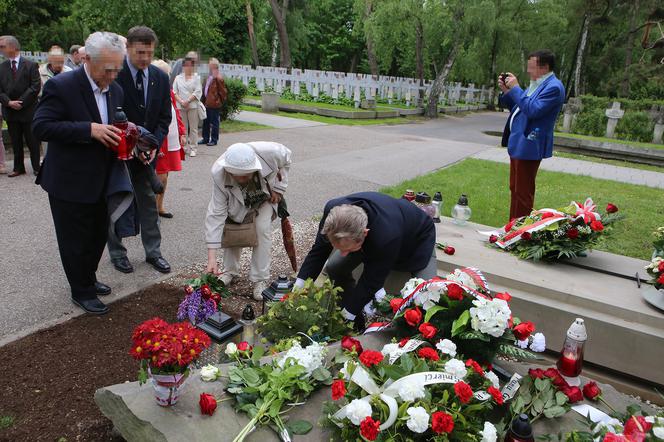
[240,159]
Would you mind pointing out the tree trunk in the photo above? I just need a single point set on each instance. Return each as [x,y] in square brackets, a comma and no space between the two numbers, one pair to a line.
[275,45]
[578,89]
[629,51]
[437,86]
[371,55]
[279,13]
[494,55]
[419,58]
[252,36]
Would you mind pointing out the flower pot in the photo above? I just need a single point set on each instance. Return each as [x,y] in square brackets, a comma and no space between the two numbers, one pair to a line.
[168,387]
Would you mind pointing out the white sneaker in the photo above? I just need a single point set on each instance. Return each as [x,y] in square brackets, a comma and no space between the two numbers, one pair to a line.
[226,278]
[192,152]
[258,290]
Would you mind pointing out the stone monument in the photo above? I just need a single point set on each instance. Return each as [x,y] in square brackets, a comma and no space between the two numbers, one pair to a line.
[614,113]
[570,110]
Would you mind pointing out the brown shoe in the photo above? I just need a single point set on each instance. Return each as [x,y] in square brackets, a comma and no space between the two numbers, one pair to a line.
[13,174]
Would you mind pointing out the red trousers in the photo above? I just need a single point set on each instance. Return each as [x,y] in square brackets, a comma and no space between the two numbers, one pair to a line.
[522,186]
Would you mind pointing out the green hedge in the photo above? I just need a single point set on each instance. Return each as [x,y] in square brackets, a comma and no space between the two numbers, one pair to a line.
[236,92]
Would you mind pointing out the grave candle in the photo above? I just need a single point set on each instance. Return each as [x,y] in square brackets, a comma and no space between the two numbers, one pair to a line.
[570,362]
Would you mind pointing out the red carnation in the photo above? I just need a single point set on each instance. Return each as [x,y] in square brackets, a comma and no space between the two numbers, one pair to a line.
[428,330]
[206,292]
[463,391]
[611,208]
[476,367]
[573,233]
[660,267]
[350,344]
[636,428]
[526,236]
[413,316]
[574,394]
[493,239]
[546,215]
[597,226]
[396,303]
[449,250]
[497,395]
[523,330]
[243,346]
[208,404]
[536,373]
[610,437]
[660,280]
[338,389]
[455,292]
[592,391]
[442,422]
[504,296]
[369,428]
[403,341]
[510,224]
[428,353]
[371,357]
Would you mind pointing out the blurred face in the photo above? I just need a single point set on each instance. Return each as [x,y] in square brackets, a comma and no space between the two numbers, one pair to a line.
[76,57]
[140,54]
[347,245]
[7,49]
[2,47]
[104,69]
[81,55]
[534,70]
[213,68]
[188,67]
[56,62]
[242,180]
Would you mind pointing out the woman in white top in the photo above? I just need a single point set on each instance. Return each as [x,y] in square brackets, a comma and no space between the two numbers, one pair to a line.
[187,88]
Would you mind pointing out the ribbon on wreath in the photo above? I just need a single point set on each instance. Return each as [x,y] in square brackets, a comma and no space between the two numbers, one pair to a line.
[586,211]
[515,235]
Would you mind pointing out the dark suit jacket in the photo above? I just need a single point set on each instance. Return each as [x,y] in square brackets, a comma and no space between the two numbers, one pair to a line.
[76,167]
[401,237]
[156,117]
[25,88]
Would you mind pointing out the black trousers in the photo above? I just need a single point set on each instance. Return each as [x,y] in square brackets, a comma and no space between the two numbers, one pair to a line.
[18,130]
[81,230]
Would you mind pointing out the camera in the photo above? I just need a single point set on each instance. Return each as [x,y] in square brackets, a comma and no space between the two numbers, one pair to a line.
[503,76]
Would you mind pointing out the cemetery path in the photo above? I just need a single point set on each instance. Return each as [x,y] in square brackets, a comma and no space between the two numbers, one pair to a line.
[276,121]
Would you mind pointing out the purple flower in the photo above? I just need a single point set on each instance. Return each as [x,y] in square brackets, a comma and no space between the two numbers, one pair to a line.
[195,308]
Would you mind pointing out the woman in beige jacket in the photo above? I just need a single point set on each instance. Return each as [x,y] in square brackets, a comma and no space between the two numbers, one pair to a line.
[187,88]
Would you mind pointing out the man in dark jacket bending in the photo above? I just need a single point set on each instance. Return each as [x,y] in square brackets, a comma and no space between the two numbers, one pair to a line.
[376,230]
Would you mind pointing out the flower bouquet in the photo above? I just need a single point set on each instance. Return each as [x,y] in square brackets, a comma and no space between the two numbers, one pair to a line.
[165,352]
[202,298]
[312,311]
[264,391]
[552,234]
[411,391]
[656,271]
[461,307]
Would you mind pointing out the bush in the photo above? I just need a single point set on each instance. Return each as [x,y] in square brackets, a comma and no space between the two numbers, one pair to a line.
[236,92]
[635,126]
[591,122]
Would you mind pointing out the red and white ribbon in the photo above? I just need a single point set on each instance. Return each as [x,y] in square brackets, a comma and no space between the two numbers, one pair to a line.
[587,211]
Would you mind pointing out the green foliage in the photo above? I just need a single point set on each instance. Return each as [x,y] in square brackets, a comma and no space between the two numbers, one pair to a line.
[313,311]
[592,122]
[635,126]
[538,398]
[236,92]
[215,284]
[6,422]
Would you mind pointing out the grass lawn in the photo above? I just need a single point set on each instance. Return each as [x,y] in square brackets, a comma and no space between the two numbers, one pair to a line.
[608,161]
[610,140]
[379,106]
[342,121]
[486,184]
[230,126]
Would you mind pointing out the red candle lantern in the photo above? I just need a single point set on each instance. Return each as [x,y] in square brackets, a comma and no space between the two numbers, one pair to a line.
[571,356]
[128,136]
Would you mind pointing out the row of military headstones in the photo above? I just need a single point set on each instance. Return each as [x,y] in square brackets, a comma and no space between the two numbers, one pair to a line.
[336,84]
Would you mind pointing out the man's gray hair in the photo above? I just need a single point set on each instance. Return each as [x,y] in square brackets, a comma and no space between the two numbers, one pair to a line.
[11,40]
[345,222]
[98,42]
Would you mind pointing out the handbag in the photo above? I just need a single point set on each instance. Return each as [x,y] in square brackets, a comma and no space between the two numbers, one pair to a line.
[240,234]
[202,112]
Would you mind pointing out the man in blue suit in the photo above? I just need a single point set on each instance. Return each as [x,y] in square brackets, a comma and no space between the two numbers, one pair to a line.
[528,133]
[376,230]
[147,103]
[75,115]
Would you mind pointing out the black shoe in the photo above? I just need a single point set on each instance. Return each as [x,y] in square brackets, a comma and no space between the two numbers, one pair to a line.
[202,142]
[211,144]
[160,264]
[166,214]
[93,306]
[123,265]
[15,173]
[102,289]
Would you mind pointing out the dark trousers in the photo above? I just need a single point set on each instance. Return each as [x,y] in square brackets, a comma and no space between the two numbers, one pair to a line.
[522,186]
[146,202]
[211,126]
[18,130]
[81,232]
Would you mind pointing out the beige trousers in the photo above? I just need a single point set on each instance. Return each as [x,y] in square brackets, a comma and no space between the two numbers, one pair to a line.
[190,120]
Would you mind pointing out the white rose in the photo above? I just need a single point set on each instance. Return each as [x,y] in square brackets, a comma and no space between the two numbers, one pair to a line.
[539,343]
[456,368]
[358,410]
[411,391]
[491,376]
[447,347]
[418,422]
[489,433]
[209,373]
[231,349]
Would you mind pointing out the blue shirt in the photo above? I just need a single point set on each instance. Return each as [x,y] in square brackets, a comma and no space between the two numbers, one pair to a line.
[134,71]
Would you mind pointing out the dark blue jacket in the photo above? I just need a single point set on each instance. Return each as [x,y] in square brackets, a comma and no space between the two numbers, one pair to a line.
[533,119]
[76,167]
[401,237]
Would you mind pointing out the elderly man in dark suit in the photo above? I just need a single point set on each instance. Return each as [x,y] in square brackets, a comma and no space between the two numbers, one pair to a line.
[20,84]
[75,115]
[147,103]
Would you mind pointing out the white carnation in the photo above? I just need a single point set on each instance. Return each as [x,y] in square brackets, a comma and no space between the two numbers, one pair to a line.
[418,422]
[456,368]
[410,391]
[489,433]
[410,286]
[310,357]
[539,343]
[210,373]
[231,349]
[522,344]
[358,410]
[491,376]
[447,347]
[490,316]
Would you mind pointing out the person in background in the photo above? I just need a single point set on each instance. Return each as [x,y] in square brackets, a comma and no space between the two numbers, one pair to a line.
[171,153]
[19,89]
[188,90]
[249,181]
[81,53]
[214,95]
[54,65]
[73,59]
[176,69]
[528,133]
